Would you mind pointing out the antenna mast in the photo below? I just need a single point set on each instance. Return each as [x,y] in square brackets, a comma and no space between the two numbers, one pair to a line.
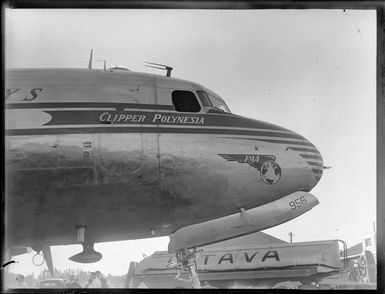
[90,61]
[161,66]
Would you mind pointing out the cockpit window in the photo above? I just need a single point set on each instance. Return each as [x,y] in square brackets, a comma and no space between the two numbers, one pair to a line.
[204,98]
[211,100]
[218,104]
[185,101]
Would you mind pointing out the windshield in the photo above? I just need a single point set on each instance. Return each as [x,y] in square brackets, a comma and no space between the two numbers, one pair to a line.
[219,104]
[212,100]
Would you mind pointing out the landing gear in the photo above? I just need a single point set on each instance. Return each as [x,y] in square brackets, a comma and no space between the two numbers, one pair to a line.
[47,257]
[186,260]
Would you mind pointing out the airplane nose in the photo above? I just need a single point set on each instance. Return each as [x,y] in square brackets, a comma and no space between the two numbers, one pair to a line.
[311,155]
[317,165]
[314,159]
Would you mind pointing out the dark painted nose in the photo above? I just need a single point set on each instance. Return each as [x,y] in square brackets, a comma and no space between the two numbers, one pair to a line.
[316,164]
[313,158]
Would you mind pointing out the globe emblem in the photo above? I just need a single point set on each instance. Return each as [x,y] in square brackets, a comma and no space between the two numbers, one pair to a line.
[270,172]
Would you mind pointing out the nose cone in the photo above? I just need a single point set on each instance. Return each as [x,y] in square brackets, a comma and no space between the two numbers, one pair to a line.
[303,149]
[315,161]
[313,158]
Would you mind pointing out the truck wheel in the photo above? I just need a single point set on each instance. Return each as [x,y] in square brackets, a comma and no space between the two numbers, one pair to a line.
[367,268]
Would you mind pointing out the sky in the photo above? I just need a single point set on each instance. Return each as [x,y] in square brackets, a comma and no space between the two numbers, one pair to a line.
[311,71]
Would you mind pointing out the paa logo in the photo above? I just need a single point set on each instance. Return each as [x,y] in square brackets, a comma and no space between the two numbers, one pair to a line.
[270,170]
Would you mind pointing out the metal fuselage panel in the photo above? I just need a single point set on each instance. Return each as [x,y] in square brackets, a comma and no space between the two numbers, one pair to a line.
[98,149]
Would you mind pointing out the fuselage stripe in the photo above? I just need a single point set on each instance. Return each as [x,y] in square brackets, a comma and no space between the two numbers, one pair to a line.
[64,105]
[155,129]
[278,141]
[304,149]
[317,167]
[315,163]
[120,116]
[311,156]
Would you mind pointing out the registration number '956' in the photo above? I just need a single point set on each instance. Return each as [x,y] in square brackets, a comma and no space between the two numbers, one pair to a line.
[297,203]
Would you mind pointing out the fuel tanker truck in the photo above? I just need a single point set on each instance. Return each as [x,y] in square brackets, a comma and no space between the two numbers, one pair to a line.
[261,266]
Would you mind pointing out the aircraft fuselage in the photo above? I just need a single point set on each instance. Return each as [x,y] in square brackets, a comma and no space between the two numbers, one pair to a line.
[109,151]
